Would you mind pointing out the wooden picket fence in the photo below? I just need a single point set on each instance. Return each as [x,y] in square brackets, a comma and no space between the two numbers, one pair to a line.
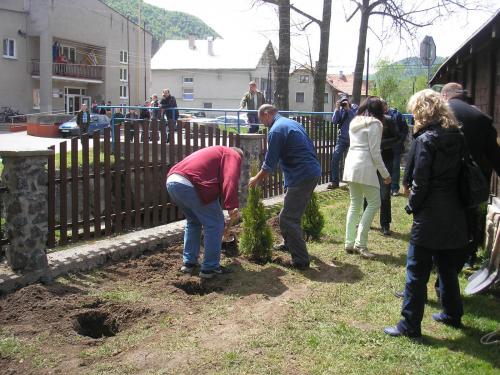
[115,187]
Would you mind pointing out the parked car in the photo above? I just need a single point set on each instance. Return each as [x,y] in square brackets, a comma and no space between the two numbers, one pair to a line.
[97,123]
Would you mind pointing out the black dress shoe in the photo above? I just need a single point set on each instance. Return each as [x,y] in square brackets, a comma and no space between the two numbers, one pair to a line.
[386,231]
[395,332]
[442,318]
[332,185]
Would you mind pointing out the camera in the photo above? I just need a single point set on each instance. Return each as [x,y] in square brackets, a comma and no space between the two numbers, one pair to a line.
[343,104]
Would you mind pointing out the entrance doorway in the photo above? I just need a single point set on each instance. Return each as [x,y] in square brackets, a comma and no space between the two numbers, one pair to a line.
[73,99]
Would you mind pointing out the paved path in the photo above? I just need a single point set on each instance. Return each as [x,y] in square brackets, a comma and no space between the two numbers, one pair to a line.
[21,141]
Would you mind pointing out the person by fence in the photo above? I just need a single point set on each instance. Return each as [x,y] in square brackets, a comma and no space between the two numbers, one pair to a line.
[290,146]
[196,184]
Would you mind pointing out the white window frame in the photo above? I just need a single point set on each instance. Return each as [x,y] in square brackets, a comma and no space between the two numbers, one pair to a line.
[303,78]
[123,57]
[70,49]
[188,81]
[187,98]
[123,90]
[14,47]
[303,97]
[123,74]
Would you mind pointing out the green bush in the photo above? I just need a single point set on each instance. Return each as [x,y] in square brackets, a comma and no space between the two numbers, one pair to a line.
[313,220]
[257,238]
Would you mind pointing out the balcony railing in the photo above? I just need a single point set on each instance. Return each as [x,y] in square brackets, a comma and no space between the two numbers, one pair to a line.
[71,70]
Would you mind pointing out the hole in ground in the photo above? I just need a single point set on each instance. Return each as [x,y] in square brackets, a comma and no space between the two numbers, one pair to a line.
[95,324]
[196,288]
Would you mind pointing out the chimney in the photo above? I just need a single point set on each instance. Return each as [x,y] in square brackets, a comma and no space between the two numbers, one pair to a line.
[210,42]
[342,76]
[191,41]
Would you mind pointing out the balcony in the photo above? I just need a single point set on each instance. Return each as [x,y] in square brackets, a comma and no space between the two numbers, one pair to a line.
[71,72]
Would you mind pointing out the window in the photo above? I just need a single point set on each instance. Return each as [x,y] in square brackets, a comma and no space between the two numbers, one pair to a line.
[69,53]
[188,80]
[303,79]
[326,97]
[299,97]
[207,105]
[9,48]
[263,84]
[124,57]
[36,98]
[124,74]
[74,91]
[188,94]
[123,92]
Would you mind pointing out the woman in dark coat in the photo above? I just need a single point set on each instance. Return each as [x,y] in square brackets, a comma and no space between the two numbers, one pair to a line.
[439,228]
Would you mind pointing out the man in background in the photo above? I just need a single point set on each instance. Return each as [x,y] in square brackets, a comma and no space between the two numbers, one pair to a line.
[342,116]
[252,100]
[83,119]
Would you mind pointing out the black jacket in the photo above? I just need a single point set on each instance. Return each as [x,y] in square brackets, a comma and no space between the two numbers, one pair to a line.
[480,135]
[438,215]
[169,102]
[390,137]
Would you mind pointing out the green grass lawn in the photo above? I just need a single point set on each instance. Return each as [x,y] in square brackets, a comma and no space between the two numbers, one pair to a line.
[272,320]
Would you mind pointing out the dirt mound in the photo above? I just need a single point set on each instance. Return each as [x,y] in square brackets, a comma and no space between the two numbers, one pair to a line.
[38,302]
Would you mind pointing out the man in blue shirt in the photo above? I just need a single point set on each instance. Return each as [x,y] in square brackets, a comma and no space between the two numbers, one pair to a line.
[342,116]
[290,146]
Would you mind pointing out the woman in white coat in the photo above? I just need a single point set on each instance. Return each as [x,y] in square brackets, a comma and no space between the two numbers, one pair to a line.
[360,171]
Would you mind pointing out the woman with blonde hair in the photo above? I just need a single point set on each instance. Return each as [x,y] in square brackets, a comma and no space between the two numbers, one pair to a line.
[363,161]
[439,230]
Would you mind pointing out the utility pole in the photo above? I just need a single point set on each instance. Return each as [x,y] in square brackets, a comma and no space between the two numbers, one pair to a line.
[145,65]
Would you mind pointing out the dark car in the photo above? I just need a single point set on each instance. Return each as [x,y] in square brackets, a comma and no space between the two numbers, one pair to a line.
[97,123]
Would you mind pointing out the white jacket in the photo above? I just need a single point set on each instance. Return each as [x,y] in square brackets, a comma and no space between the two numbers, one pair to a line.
[364,158]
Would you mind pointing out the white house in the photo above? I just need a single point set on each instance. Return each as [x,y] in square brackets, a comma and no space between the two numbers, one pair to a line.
[212,73]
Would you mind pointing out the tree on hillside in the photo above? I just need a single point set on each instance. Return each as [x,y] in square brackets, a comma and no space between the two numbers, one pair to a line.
[319,69]
[405,16]
[393,83]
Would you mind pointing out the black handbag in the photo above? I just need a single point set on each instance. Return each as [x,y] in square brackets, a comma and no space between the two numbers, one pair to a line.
[472,184]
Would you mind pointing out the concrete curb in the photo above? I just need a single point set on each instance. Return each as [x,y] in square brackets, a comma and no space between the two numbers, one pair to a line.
[95,254]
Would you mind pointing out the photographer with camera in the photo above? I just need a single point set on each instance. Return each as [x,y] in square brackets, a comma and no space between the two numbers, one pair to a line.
[342,116]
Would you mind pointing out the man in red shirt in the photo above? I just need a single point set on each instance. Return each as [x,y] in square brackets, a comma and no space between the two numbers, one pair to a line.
[198,185]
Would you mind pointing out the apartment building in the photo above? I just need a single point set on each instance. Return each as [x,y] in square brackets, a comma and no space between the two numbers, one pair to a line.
[212,73]
[58,54]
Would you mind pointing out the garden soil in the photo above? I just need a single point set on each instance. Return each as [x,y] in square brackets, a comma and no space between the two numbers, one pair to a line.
[54,325]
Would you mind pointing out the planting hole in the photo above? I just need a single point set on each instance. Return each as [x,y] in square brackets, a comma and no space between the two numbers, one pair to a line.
[95,324]
[196,288]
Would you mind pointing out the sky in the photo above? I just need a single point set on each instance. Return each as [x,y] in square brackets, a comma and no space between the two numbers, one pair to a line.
[239,19]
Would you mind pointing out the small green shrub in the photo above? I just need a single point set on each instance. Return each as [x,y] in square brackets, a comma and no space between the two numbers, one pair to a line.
[257,239]
[313,220]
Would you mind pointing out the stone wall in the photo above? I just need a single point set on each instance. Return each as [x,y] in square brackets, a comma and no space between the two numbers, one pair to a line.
[25,204]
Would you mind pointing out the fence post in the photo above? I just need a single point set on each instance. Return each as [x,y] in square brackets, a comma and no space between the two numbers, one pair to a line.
[251,144]
[26,210]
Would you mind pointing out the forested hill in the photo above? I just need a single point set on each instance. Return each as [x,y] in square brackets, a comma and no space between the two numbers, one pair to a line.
[163,24]
[412,67]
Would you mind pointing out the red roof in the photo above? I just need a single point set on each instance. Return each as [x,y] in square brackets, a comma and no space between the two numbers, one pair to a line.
[343,82]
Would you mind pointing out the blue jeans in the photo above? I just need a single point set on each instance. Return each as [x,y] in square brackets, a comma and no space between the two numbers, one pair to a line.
[337,156]
[253,121]
[396,164]
[418,268]
[198,215]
